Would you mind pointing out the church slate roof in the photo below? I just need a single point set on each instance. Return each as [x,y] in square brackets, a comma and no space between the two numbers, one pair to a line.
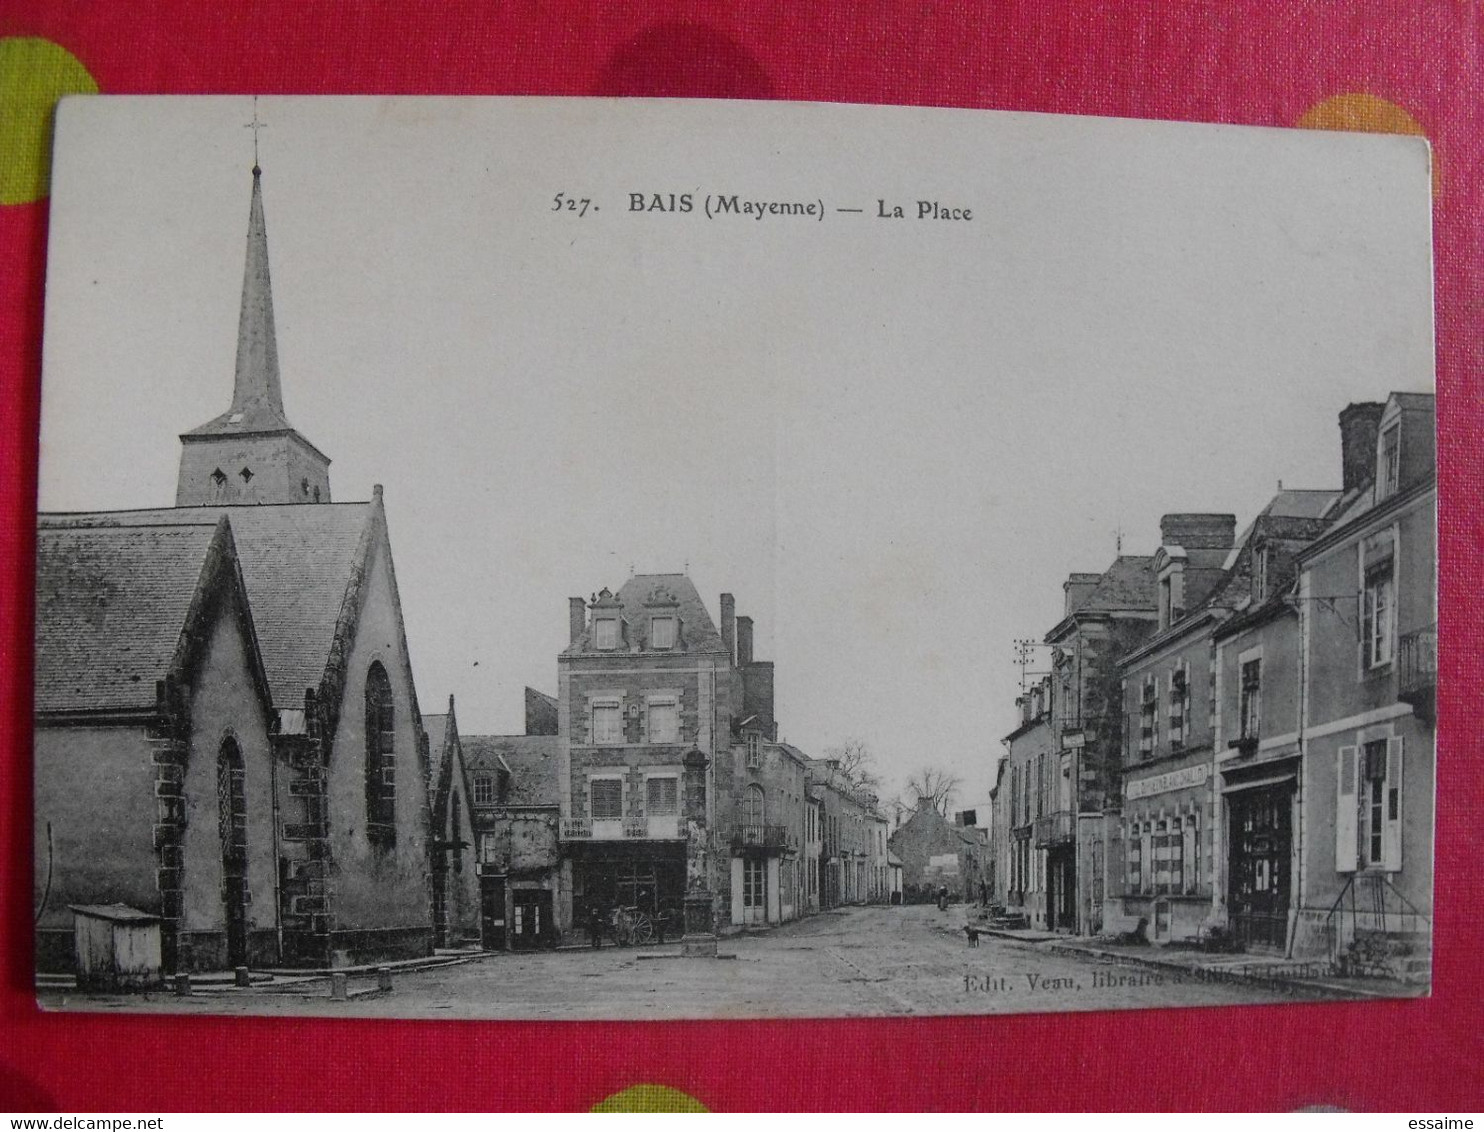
[296,560]
[531,760]
[111,606]
[1127,584]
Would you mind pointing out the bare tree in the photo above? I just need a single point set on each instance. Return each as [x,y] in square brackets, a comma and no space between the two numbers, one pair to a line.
[857,765]
[934,787]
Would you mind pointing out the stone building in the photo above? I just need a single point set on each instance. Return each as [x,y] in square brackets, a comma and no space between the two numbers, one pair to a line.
[515,815]
[154,763]
[454,876]
[350,763]
[1032,787]
[1367,600]
[935,853]
[766,835]
[657,709]
[1105,616]
[1163,850]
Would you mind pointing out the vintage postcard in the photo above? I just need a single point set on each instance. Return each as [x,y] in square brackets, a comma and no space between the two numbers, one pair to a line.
[581,559]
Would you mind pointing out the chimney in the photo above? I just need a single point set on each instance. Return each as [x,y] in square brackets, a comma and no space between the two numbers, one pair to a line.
[576,617]
[1198,531]
[1078,588]
[744,641]
[1024,703]
[729,626]
[1359,425]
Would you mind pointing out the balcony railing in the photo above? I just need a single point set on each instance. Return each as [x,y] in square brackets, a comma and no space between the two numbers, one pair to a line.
[1059,828]
[1417,668]
[751,836]
[631,829]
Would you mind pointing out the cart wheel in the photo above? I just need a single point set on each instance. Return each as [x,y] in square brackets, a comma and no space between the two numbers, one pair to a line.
[643,930]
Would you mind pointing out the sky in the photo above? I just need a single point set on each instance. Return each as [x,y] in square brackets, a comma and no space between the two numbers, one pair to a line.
[890,439]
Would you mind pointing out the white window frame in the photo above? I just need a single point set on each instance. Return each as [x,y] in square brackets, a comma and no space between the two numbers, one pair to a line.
[664,701]
[674,624]
[605,700]
[1378,618]
[488,783]
[599,623]
[1391,461]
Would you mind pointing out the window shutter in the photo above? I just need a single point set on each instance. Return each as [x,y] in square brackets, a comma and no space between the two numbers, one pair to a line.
[1190,881]
[1146,852]
[1391,827]
[1347,767]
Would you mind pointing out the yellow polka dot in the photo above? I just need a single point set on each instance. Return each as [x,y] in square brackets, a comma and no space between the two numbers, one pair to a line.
[650,1098]
[1365,113]
[34,73]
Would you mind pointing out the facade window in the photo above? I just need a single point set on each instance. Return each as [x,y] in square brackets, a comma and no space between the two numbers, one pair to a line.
[381,759]
[756,806]
[1391,458]
[605,632]
[484,790]
[664,721]
[662,633]
[1378,644]
[1250,707]
[1179,705]
[754,882]
[1368,828]
[489,848]
[607,721]
[662,797]
[1041,785]
[1149,718]
[1373,802]
[607,798]
[754,750]
[1135,860]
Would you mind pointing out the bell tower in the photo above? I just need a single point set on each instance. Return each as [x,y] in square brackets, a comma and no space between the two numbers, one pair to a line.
[251,454]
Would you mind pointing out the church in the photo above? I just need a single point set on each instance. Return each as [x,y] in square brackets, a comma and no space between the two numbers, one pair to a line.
[227,731]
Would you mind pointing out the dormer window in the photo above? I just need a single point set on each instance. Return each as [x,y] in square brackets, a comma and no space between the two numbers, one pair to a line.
[605,632]
[1391,459]
[1259,575]
[662,632]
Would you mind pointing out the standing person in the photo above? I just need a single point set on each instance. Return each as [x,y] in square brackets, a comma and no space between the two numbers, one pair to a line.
[595,925]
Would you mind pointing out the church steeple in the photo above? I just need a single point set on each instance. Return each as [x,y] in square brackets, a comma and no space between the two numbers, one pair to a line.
[257,397]
[251,454]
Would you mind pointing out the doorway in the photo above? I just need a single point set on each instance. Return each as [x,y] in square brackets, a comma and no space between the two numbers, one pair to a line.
[754,890]
[531,925]
[492,913]
[1261,865]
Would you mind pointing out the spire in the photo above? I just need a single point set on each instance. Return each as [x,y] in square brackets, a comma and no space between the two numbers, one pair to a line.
[251,454]
[257,398]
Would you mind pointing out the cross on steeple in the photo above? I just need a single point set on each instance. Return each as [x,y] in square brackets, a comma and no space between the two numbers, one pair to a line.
[255,126]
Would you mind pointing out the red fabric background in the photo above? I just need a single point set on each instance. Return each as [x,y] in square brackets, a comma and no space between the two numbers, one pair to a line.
[1263,64]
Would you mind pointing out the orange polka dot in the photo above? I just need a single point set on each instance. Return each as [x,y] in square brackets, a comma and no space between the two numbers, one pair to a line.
[1365,113]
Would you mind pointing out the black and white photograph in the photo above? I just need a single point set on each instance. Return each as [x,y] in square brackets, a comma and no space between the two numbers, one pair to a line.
[582,559]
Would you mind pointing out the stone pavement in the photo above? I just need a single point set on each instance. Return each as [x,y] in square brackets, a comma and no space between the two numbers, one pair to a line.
[859,962]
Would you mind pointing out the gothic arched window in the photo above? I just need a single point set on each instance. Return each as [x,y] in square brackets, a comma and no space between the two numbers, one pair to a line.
[381,759]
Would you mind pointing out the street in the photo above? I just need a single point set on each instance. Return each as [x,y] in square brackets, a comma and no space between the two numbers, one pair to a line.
[862,961]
